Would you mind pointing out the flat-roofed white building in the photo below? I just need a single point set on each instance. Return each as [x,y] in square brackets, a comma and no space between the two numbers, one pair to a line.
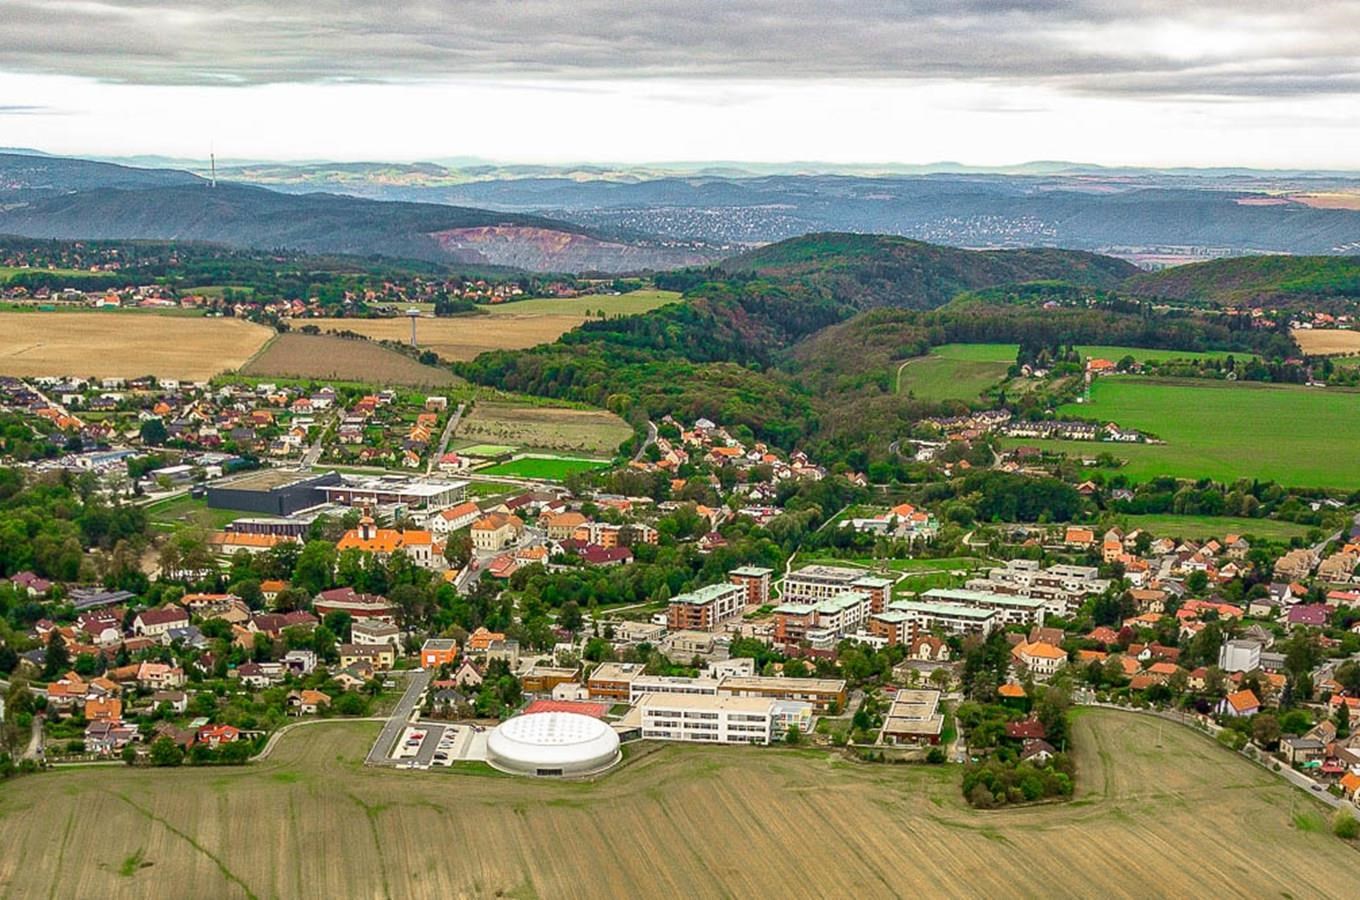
[671,684]
[709,719]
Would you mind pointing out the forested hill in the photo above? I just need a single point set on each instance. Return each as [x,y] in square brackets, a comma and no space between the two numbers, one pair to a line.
[717,354]
[1254,279]
[28,177]
[866,270]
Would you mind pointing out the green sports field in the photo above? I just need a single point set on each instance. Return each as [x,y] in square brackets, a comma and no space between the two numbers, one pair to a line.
[552,468]
[1297,436]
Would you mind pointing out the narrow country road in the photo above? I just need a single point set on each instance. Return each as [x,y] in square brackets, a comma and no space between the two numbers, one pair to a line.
[651,439]
[444,440]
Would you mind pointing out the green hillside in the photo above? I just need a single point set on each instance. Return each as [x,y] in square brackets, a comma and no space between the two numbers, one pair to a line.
[1254,279]
[866,270]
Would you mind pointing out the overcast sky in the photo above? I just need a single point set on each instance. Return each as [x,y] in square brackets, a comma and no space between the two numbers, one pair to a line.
[1154,82]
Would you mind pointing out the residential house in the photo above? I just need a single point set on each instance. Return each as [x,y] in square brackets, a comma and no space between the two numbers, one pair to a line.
[1239,704]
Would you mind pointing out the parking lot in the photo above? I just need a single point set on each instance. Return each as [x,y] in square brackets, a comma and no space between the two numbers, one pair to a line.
[425,744]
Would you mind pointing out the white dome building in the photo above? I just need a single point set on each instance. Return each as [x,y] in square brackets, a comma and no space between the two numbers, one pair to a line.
[553,744]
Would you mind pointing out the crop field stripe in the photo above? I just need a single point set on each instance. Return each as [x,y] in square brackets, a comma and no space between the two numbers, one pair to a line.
[1183,817]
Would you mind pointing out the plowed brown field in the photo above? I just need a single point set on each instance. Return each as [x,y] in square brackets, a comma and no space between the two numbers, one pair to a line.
[1168,816]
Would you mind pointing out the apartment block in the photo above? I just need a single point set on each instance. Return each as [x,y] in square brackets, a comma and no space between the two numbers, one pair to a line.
[706,608]
[1011,609]
[1063,588]
[948,617]
[756,580]
[821,623]
[812,584]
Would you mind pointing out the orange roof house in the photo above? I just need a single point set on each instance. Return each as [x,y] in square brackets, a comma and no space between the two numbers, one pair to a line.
[103,708]
[481,640]
[1081,537]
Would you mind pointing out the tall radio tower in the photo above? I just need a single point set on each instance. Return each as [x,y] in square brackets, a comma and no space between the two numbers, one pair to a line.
[212,163]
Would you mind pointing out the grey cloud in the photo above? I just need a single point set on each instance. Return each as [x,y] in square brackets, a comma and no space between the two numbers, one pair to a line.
[1311,46]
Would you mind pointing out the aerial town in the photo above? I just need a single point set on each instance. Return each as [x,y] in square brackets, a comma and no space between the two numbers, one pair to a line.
[720,450]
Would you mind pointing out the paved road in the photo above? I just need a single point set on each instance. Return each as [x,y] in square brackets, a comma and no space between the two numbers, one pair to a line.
[34,750]
[651,439]
[444,440]
[380,755]
[314,452]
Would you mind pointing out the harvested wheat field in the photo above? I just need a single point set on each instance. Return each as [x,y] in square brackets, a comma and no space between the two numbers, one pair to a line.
[592,431]
[1177,816]
[462,337]
[124,345]
[344,359]
[1327,342]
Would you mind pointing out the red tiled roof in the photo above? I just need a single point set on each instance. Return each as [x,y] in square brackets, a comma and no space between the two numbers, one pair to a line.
[595,710]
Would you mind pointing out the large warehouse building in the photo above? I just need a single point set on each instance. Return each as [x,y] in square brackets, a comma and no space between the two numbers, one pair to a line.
[271,492]
[560,744]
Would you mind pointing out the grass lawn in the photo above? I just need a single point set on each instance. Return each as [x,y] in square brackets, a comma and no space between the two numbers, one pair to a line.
[955,371]
[552,468]
[1197,528]
[1297,436]
[629,304]
[185,510]
[491,488]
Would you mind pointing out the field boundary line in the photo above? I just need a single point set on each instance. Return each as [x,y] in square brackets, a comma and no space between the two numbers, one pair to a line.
[258,353]
[221,866]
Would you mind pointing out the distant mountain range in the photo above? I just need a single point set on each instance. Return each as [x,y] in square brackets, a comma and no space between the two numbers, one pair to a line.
[1129,211]
[633,218]
[54,197]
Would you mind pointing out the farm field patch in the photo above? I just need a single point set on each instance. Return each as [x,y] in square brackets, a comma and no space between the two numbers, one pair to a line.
[1327,342]
[965,371]
[561,428]
[1199,528]
[8,272]
[1159,811]
[109,345]
[460,338]
[1297,436]
[326,356]
[548,467]
[630,304]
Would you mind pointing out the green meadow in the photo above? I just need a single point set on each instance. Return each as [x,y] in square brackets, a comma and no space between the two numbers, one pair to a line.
[1297,436]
